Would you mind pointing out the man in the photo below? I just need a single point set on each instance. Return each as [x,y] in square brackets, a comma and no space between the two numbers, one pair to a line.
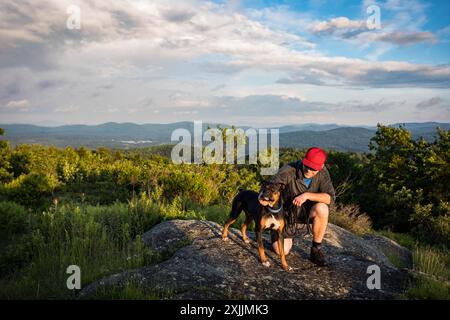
[307,195]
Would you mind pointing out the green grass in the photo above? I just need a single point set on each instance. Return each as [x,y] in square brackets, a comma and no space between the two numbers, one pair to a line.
[101,240]
[431,268]
[394,259]
[432,261]
[404,239]
[427,289]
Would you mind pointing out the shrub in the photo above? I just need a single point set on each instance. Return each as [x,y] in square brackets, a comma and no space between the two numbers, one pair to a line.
[13,219]
[32,190]
[350,218]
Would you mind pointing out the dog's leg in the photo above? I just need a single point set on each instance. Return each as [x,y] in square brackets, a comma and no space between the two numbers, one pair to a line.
[248,220]
[229,222]
[236,209]
[281,249]
[261,251]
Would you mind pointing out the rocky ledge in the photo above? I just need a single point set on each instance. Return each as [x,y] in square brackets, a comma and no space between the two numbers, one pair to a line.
[203,266]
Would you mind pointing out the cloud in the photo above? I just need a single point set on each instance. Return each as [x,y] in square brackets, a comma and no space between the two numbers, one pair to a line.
[247,60]
[371,107]
[112,110]
[178,15]
[156,29]
[185,112]
[49,83]
[404,38]
[223,67]
[356,72]
[429,103]
[339,23]
[344,28]
[68,109]
[18,104]
[218,87]
[285,109]
[130,32]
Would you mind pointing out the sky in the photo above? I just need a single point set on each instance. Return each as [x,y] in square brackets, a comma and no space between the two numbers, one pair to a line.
[258,63]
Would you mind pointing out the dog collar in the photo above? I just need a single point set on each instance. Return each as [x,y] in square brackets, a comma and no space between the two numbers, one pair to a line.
[276,210]
[269,208]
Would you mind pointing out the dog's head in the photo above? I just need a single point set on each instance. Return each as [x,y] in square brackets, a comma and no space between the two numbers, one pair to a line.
[270,193]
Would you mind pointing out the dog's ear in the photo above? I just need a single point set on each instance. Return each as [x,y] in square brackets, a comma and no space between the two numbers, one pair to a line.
[264,183]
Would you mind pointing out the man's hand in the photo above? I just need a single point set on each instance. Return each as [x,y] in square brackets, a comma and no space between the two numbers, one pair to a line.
[299,200]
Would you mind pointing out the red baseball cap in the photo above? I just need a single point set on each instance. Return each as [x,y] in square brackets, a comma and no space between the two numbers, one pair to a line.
[315,158]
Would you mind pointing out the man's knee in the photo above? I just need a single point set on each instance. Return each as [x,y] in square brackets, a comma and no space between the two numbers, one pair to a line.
[320,210]
[287,246]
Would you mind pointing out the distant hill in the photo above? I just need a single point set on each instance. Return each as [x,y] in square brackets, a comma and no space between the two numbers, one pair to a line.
[111,134]
[131,135]
[422,125]
[317,127]
[424,129]
[341,139]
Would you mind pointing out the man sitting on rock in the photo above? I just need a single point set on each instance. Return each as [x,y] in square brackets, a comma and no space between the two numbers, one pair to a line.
[308,193]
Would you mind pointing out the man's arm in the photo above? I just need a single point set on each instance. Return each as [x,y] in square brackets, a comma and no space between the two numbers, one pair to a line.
[325,195]
[316,197]
[319,197]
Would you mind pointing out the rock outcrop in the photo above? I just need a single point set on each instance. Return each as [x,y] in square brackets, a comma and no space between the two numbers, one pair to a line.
[203,266]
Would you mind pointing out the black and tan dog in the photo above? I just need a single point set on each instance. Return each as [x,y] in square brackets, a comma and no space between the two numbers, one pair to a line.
[266,209]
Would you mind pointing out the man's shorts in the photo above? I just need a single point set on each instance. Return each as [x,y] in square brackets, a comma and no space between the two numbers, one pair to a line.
[296,215]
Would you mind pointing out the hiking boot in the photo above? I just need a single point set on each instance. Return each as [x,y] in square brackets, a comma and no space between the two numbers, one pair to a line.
[317,257]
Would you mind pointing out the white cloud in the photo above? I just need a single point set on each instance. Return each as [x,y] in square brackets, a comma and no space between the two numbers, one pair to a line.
[70,108]
[334,24]
[18,104]
[130,52]
[344,28]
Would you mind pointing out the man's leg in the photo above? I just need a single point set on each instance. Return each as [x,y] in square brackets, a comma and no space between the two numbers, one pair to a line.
[319,213]
[287,246]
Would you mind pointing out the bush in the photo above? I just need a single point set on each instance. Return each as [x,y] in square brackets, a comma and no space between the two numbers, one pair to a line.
[15,250]
[32,190]
[350,218]
[432,229]
[13,219]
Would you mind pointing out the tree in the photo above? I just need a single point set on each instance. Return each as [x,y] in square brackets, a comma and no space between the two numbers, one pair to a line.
[5,155]
[405,179]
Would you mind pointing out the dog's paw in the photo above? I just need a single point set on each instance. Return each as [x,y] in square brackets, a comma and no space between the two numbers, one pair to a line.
[266,264]
[247,241]
[287,268]
[225,239]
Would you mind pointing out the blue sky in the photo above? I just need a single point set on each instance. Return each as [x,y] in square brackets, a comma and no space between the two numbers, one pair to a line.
[260,63]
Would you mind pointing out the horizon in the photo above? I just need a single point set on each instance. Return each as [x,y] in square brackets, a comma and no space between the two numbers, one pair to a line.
[224,123]
[244,62]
